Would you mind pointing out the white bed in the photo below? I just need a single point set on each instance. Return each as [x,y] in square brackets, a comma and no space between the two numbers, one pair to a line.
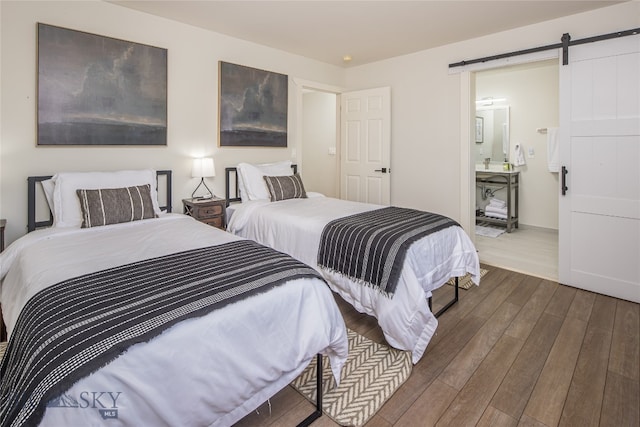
[294,226]
[211,370]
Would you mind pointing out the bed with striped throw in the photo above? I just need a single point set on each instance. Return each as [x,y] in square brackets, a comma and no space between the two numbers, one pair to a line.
[73,328]
[370,247]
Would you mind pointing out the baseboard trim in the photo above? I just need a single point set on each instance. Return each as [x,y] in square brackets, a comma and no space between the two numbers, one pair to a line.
[538,228]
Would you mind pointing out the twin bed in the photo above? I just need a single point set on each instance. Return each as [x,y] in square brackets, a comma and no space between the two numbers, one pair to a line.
[158,321]
[280,216]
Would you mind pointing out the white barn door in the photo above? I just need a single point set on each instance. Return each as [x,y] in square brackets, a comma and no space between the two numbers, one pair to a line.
[365,123]
[599,222]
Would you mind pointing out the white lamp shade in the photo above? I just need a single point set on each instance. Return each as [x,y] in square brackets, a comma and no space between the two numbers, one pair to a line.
[203,168]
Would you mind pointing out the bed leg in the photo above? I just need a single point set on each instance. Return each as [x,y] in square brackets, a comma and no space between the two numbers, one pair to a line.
[318,412]
[449,304]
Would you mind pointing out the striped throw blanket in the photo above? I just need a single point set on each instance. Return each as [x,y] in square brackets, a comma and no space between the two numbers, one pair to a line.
[71,329]
[370,247]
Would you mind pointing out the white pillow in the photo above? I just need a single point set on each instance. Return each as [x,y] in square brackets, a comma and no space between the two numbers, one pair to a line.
[313,194]
[251,183]
[66,205]
[48,186]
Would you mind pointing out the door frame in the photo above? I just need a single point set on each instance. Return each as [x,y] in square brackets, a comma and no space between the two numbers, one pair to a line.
[467,127]
[299,86]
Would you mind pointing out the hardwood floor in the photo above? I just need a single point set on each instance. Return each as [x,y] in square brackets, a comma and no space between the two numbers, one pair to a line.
[516,351]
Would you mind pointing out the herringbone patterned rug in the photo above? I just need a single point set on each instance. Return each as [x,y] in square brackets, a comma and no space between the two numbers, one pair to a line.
[372,373]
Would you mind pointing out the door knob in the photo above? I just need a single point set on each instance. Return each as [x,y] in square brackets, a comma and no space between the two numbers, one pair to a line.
[383,170]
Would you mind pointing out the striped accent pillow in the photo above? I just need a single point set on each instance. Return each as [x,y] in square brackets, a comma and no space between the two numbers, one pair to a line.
[285,187]
[106,206]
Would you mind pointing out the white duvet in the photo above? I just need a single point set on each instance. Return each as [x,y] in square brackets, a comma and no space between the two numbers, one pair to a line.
[208,371]
[294,226]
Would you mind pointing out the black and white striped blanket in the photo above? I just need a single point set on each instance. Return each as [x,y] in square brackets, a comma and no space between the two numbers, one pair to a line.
[71,329]
[370,247]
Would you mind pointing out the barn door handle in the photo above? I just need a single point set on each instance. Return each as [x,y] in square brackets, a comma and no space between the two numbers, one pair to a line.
[383,170]
[564,180]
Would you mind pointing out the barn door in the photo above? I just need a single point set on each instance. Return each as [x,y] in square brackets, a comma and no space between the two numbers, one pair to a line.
[599,218]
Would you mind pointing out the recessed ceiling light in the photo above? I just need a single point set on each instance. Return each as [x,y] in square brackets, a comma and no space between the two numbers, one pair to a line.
[346,58]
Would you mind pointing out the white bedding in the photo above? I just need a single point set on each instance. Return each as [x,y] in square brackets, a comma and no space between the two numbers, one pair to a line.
[209,371]
[294,226]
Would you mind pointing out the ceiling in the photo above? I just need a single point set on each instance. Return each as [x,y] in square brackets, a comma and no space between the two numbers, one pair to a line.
[368,31]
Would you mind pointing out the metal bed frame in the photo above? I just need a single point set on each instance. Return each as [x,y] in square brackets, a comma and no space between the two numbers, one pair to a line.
[235,197]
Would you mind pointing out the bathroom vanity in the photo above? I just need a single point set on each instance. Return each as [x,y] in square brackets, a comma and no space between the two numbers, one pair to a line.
[496,180]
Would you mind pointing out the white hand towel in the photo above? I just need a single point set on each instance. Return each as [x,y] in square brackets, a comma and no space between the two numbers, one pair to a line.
[497,203]
[518,156]
[496,215]
[553,150]
[493,209]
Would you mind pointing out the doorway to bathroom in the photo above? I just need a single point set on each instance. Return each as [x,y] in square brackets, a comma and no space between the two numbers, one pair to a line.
[518,142]
[319,142]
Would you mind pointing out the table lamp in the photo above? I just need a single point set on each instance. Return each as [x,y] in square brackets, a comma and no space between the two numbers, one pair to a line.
[203,168]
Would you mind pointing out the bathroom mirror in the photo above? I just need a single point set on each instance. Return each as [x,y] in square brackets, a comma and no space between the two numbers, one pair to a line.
[492,134]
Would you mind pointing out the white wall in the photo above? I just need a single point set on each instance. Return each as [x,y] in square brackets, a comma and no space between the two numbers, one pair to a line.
[426,105]
[320,171]
[531,91]
[193,56]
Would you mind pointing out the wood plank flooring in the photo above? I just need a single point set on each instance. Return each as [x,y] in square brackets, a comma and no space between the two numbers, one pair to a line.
[516,351]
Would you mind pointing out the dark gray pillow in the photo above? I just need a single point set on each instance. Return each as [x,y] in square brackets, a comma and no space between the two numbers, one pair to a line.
[115,205]
[285,187]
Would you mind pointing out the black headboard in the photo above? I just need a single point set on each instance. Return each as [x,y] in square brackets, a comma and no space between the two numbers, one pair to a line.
[228,172]
[32,181]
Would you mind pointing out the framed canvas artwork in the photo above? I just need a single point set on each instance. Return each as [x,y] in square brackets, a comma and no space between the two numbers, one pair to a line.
[95,90]
[253,107]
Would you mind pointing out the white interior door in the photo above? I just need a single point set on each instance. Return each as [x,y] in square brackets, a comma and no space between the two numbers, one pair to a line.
[599,235]
[365,123]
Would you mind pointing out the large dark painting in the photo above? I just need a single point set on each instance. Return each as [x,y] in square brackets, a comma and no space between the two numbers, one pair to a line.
[253,107]
[95,90]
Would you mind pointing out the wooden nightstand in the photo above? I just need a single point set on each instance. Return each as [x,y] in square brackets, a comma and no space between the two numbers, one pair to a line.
[210,211]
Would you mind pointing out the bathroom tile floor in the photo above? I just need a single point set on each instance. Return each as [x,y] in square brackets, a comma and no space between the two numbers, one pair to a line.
[529,250]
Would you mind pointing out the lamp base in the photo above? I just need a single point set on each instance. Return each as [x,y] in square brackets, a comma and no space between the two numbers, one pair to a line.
[207,196]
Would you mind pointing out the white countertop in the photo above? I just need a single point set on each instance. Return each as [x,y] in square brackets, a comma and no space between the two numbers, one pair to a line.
[493,169]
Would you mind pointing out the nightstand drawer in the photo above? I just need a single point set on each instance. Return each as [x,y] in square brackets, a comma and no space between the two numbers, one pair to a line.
[208,211]
[216,222]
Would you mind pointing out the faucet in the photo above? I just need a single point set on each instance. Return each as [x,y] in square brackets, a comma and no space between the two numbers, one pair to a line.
[486,162]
